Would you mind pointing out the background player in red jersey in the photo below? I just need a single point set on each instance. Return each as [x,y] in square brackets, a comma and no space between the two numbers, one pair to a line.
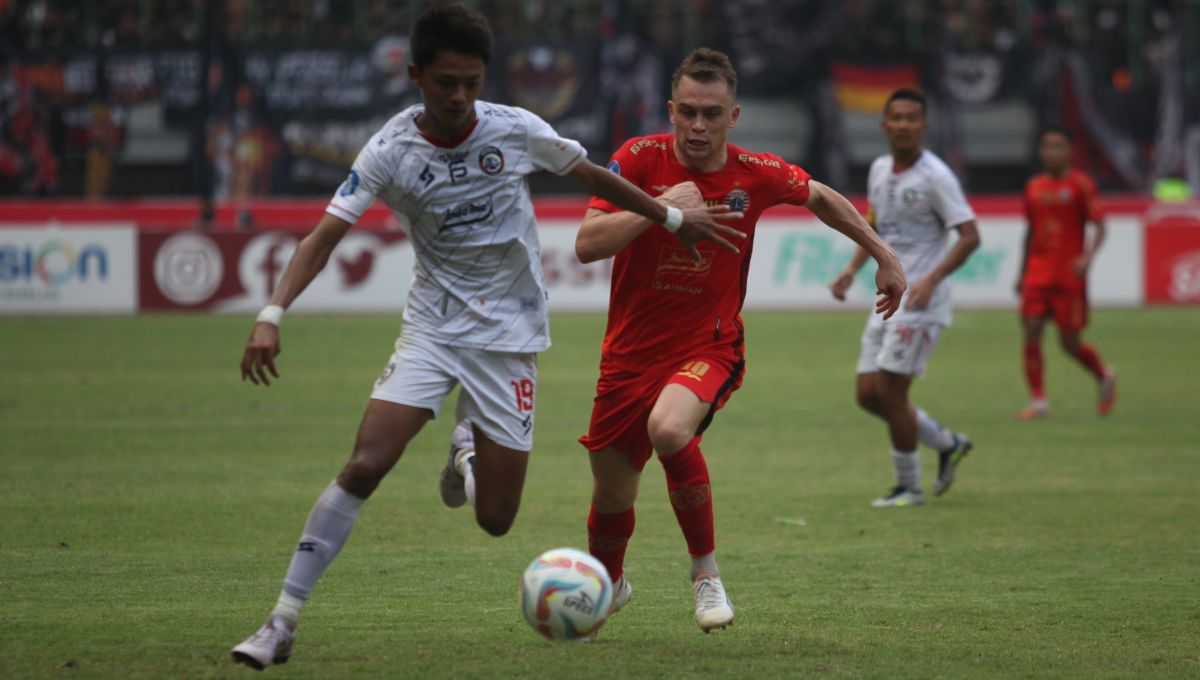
[673,351]
[1058,205]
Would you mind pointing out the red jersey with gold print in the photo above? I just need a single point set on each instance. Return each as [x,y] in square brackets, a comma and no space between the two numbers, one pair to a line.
[1058,210]
[662,305]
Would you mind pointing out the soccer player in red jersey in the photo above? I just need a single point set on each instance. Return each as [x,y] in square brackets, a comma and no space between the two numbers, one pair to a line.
[674,348]
[1058,205]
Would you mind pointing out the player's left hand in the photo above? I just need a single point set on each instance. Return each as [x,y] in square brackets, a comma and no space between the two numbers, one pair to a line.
[704,224]
[889,285]
[920,293]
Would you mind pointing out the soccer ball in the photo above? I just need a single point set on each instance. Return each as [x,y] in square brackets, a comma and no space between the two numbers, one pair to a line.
[565,594]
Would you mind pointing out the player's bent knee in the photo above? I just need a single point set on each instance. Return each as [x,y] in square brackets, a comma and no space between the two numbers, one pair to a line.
[495,523]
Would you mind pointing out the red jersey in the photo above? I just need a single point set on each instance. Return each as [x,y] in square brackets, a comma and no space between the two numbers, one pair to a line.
[662,305]
[1058,210]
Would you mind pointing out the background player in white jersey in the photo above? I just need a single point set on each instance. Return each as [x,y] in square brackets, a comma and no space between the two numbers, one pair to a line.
[453,170]
[915,200]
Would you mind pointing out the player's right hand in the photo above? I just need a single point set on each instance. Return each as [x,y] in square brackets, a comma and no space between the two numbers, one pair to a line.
[840,285]
[261,350]
[890,286]
[704,224]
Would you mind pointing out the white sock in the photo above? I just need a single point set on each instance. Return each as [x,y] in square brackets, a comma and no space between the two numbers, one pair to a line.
[931,433]
[706,564]
[465,464]
[328,526]
[908,469]
[288,606]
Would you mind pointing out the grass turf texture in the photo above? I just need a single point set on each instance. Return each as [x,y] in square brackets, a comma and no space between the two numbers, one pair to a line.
[151,502]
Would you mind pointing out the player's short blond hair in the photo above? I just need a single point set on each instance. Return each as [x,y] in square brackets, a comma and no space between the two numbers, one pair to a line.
[706,66]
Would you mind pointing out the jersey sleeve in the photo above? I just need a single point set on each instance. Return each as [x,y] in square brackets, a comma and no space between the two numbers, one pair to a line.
[794,186]
[1092,210]
[949,202]
[625,164]
[547,150]
[367,177]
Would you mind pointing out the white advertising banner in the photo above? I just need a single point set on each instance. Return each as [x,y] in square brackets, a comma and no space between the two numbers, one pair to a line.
[58,270]
[795,259]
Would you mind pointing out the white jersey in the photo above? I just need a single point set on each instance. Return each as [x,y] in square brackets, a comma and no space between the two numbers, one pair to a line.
[477,282]
[914,211]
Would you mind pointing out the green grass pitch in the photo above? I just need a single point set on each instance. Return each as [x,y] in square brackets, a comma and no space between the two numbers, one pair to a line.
[150,501]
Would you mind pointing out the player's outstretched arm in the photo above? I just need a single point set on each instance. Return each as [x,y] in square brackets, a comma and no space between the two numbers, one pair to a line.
[699,223]
[603,234]
[834,210]
[922,290]
[308,261]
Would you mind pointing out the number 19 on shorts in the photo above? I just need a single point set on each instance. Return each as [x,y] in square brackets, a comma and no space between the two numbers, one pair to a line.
[523,391]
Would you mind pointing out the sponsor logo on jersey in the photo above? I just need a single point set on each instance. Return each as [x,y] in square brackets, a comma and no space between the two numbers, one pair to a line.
[471,212]
[350,185]
[614,167]
[755,160]
[677,260]
[491,160]
[738,200]
[646,143]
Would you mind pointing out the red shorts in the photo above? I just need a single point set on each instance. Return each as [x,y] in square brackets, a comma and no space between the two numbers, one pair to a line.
[625,398]
[1068,307]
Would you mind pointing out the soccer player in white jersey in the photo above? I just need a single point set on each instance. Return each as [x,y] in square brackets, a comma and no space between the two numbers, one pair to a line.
[915,200]
[453,170]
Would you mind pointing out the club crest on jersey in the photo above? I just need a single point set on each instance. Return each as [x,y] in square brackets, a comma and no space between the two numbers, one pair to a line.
[614,167]
[1064,195]
[910,197]
[738,200]
[491,160]
[350,185]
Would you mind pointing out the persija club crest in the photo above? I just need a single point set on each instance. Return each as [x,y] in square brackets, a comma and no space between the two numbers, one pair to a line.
[737,200]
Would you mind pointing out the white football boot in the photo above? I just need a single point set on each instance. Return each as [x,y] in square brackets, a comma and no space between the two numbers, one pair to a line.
[271,644]
[452,484]
[714,611]
[622,592]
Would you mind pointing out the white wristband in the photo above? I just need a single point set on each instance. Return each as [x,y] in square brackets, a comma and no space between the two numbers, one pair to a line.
[674,219]
[272,314]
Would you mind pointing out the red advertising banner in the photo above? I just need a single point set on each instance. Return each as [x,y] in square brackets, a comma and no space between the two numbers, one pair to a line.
[237,272]
[1173,256]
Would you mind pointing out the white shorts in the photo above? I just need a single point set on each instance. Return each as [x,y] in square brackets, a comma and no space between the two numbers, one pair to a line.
[898,348]
[497,387]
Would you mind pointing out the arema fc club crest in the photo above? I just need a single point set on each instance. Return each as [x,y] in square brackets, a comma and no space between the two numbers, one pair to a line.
[738,200]
[910,197]
[350,185]
[491,161]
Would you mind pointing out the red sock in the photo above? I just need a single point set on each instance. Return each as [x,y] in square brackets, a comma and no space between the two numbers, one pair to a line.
[608,536]
[1091,360]
[691,496]
[1033,370]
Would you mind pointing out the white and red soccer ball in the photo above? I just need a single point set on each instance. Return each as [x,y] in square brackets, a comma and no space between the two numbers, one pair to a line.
[566,594]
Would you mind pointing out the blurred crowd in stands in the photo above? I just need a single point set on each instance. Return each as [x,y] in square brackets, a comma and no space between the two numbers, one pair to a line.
[92,93]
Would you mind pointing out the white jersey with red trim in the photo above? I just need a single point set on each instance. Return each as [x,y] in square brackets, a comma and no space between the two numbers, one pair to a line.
[914,211]
[477,281]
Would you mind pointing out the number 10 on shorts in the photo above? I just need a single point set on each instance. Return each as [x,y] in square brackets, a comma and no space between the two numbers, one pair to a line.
[523,390]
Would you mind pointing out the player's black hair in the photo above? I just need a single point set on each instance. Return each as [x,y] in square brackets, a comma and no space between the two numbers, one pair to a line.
[706,66]
[1055,129]
[450,28]
[908,94]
